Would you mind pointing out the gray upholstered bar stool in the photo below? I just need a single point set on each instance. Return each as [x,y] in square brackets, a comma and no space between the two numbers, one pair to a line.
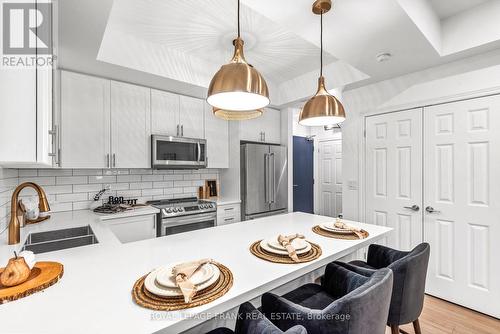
[410,270]
[251,321]
[344,303]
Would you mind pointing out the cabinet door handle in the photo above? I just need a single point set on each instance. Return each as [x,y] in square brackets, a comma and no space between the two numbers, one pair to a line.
[107,161]
[114,160]
[182,130]
[229,209]
[177,130]
[264,136]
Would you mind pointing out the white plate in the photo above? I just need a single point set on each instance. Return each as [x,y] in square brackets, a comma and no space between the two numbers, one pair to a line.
[270,249]
[297,243]
[152,286]
[331,228]
[166,278]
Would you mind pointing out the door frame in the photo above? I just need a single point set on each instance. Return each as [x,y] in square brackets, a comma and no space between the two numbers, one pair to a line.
[316,170]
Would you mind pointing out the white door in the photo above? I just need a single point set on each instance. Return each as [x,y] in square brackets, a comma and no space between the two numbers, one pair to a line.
[191,117]
[164,113]
[330,178]
[85,121]
[394,176]
[130,126]
[217,136]
[462,185]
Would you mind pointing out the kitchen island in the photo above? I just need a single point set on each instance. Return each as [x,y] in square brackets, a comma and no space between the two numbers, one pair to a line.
[94,295]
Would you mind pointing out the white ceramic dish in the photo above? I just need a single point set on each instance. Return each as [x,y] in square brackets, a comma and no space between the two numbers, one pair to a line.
[165,277]
[154,287]
[265,246]
[331,228]
[297,243]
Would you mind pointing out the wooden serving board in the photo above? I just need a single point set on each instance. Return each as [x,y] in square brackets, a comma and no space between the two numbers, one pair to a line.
[43,275]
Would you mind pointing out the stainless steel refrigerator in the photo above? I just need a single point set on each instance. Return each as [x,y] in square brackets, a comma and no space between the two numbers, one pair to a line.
[264,180]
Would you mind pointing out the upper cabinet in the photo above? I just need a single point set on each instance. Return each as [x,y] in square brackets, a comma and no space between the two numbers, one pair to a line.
[217,136]
[85,121]
[108,124]
[191,117]
[164,112]
[130,126]
[176,115]
[26,99]
[104,123]
[266,128]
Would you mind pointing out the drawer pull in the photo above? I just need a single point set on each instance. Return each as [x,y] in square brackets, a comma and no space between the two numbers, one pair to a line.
[228,219]
[228,209]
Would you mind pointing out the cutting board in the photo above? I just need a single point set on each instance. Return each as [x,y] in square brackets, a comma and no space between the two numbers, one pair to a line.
[43,275]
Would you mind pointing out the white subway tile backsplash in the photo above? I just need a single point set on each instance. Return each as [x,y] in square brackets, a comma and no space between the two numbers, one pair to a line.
[74,189]
[71,180]
[77,172]
[152,177]
[81,188]
[40,180]
[128,178]
[55,172]
[71,197]
[141,185]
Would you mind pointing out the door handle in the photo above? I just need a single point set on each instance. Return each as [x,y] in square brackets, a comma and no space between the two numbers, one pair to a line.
[199,152]
[295,185]
[182,130]
[108,161]
[266,178]
[177,130]
[274,174]
[430,209]
[414,207]
[114,160]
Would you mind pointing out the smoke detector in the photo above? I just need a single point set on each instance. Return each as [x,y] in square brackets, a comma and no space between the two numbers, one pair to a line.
[383,57]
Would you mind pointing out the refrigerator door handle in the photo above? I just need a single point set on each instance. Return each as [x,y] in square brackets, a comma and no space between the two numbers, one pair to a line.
[273,200]
[266,178]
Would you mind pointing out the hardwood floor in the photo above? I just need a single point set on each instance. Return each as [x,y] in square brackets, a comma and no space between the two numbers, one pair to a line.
[440,317]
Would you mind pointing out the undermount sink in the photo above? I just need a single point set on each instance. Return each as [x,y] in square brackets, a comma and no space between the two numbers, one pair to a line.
[50,241]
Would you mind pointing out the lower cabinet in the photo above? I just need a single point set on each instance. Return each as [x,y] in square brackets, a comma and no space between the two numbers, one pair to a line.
[228,214]
[133,228]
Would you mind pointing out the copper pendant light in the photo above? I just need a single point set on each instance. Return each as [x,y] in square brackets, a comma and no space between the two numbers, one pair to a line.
[238,91]
[323,108]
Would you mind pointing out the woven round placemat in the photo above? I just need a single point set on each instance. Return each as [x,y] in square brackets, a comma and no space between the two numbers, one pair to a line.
[318,230]
[313,254]
[144,298]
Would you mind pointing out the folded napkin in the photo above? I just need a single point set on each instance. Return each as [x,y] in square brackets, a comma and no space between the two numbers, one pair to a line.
[354,229]
[183,273]
[286,241]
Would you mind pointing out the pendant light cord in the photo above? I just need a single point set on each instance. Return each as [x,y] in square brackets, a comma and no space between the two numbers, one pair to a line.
[238,18]
[321,43]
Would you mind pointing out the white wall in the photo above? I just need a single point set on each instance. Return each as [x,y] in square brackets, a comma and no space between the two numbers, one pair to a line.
[361,101]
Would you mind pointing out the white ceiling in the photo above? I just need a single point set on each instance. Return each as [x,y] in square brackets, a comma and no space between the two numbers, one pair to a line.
[186,41]
[447,8]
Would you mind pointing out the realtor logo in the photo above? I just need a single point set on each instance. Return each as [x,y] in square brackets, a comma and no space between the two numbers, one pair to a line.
[27,28]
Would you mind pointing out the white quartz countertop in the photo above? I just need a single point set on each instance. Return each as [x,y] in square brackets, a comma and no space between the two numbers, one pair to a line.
[94,295]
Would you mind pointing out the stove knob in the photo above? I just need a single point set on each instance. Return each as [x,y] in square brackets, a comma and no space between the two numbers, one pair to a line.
[203,206]
[181,209]
[168,210]
[212,205]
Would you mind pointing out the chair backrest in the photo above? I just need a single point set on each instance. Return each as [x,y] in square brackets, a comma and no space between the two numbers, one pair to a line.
[364,309]
[252,321]
[408,291]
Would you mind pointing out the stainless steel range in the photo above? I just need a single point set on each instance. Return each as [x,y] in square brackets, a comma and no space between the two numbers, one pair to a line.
[183,215]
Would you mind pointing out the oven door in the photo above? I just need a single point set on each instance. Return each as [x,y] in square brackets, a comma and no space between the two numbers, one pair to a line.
[183,224]
[178,152]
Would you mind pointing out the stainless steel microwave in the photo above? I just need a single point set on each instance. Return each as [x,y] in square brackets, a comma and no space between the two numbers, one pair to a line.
[168,152]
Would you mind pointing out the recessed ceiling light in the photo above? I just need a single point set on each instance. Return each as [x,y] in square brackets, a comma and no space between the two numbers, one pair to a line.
[385,56]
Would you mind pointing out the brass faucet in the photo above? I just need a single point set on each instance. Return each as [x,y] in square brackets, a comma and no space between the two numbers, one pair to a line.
[17,211]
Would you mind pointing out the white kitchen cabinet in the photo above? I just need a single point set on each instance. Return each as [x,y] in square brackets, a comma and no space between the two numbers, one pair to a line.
[164,112]
[176,115]
[85,121]
[26,114]
[228,214]
[217,136]
[266,128]
[191,117]
[133,228]
[130,126]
